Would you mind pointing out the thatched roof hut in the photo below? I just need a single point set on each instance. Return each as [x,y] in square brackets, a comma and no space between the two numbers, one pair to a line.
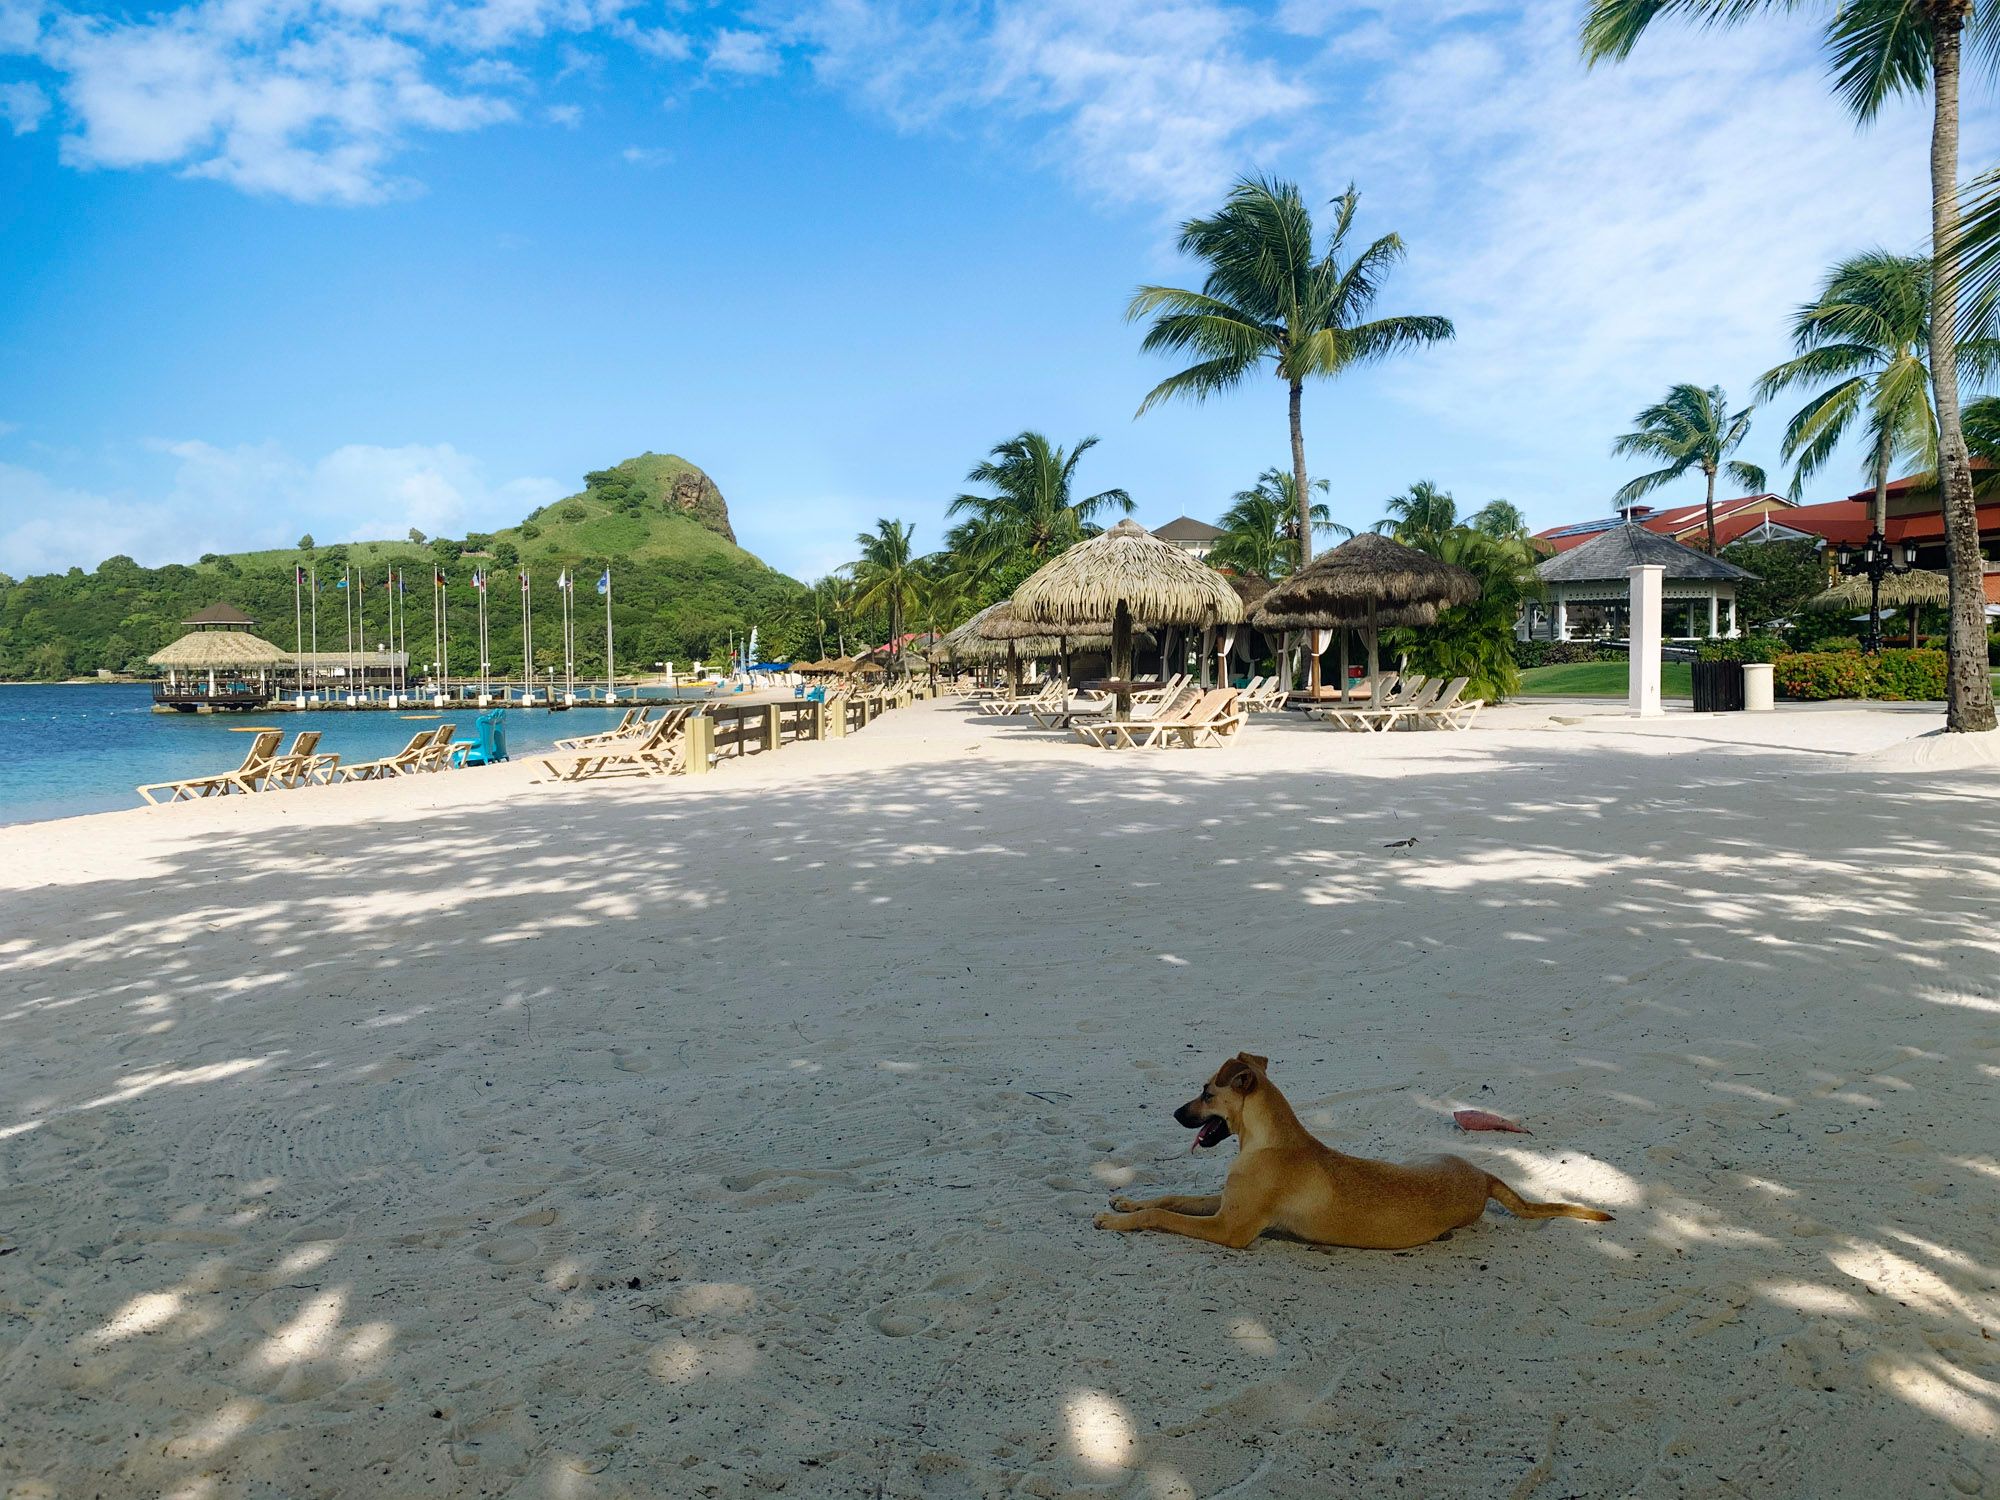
[1367,582]
[1127,574]
[1899,591]
[221,651]
[220,616]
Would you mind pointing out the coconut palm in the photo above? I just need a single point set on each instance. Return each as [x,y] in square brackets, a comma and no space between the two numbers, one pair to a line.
[1880,49]
[1034,507]
[1500,519]
[1261,527]
[1693,429]
[1421,517]
[884,576]
[1475,640]
[1270,295]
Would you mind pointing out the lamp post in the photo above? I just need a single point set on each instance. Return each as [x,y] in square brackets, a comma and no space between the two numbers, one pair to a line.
[1875,560]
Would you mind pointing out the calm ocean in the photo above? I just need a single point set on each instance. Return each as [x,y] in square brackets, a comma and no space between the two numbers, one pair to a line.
[81,748]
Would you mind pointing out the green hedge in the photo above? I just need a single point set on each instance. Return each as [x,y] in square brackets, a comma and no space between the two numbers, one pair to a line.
[1764,648]
[1560,653]
[1901,675]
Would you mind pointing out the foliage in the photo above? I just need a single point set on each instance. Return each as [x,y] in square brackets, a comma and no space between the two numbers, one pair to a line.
[1475,640]
[1692,429]
[1760,648]
[1261,526]
[885,576]
[1902,675]
[1270,297]
[1530,654]
[306,542]
[680,589]
[1788,574]
[1033,507]
[417,536]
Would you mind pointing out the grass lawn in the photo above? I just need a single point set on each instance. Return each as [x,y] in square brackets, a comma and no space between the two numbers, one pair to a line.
[1600,679]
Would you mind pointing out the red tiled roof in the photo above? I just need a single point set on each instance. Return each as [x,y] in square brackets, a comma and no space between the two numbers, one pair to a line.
[1678,521]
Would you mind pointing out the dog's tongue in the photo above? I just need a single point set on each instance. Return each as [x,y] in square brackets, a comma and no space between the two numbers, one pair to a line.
[1212,1133]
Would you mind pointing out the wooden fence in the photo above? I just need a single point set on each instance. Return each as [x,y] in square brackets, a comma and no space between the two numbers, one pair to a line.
[727,731]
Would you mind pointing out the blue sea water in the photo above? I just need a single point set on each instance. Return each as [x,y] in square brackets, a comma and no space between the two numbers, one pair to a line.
[82,747]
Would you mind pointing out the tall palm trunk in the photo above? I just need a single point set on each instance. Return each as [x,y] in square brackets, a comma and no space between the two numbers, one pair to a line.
[1304,498]
[1968,688]
[1879,516]
[1711,511]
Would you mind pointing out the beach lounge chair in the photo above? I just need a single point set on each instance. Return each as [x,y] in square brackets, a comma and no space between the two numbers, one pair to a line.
[302,764]
[1211,718]
[1380,709]
[633,722]
[1067,711]
[1435,714]
[405,759]
[437,754]
[1048,696]
[244,778]
[662,748]
[1163,692]
[1111,734]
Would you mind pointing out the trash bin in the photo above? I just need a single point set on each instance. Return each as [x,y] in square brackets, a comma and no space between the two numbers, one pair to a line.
[1758,691]
[1718,687]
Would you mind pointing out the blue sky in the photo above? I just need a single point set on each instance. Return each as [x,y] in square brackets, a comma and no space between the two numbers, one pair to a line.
[349,266]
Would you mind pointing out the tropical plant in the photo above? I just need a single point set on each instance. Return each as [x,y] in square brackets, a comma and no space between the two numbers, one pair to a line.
[1261,527]
[1034,507]
[1880,49]
[1501,519]
[884,577]
[1271,296]
[1692,429]
[1476,640]
[1422,517]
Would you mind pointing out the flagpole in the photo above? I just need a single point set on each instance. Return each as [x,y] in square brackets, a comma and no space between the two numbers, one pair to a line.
[610,669]
[527,641]
[315,634]
[347,604]
[299,629]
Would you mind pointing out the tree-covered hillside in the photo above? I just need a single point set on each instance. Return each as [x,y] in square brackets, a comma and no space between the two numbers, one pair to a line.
[680,587]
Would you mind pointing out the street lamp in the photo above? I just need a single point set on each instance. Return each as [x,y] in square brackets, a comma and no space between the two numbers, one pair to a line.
[1875,560]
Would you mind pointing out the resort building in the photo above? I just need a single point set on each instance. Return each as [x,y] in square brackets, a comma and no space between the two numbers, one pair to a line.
[1190,535]
[1735,520]
[1589,589]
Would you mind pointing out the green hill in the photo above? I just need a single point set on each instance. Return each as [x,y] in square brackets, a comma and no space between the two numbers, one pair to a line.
[680,586]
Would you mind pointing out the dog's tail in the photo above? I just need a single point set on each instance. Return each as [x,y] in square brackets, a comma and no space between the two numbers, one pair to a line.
[1521,1208]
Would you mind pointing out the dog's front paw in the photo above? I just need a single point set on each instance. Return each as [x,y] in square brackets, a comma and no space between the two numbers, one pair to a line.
[1125,1205]
[1109,1221]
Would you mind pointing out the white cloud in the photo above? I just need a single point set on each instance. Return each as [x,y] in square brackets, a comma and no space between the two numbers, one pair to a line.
[656,41]
[646,156]
[214,499]
[1157,102]
[23,107]
[745,53]
[567,115]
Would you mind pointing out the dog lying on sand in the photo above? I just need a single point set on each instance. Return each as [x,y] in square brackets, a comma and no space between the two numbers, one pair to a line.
[1286,1180]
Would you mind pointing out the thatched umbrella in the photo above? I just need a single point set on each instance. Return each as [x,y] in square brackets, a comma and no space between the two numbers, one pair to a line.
[1128,574]
[1364,582]
[1899,591]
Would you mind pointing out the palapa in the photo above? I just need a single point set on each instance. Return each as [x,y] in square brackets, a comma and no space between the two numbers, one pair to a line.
[221,650]
[1899,591]
[1128,574]
[1368,581]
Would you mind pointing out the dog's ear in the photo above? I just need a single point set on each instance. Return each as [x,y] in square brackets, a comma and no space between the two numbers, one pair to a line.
[1243,1081]
[1259,1063]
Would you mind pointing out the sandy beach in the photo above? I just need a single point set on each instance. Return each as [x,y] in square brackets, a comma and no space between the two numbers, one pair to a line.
[471,1135]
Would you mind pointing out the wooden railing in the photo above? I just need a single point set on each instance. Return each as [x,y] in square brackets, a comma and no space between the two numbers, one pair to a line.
[728,731]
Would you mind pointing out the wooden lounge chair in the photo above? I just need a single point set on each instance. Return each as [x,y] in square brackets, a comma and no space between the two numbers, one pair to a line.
[437,754]
[633,722]
[662,748]
[386,766]
[1114,734]
[1211,718]
[1162,692]
[302,764]
[1437,712]
[244,778]
[1048,696]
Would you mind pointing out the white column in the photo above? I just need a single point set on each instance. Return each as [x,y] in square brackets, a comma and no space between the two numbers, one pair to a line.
[1562,616]
[1733,630]
[1647,588]
[1714,615]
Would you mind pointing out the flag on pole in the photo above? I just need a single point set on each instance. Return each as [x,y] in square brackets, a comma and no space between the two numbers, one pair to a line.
[479,580]
[524,581]
[562,579]
[343,582]
[604,583]
[437,578]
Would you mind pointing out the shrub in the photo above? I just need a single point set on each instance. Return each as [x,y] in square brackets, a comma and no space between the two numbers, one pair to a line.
[1559,653]
[1902,675]
[1834,643]
[574,512]
[530,531]
[1766,648]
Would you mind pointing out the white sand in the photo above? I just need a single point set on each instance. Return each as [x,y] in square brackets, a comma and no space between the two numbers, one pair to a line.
[469,1137]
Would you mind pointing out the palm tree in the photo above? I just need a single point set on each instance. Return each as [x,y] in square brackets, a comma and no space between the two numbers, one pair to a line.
[1261,527]
[1270,296]
[1034,508]
[1692,429]
[1502,520]
[884,576]
[1476,640]
[1421,518]
[1879,49]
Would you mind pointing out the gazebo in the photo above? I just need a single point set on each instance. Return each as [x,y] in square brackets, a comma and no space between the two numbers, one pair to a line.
[218,664]
[1700,590]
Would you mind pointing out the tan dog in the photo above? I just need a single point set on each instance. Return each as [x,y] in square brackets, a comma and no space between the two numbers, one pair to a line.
[1284,1179]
